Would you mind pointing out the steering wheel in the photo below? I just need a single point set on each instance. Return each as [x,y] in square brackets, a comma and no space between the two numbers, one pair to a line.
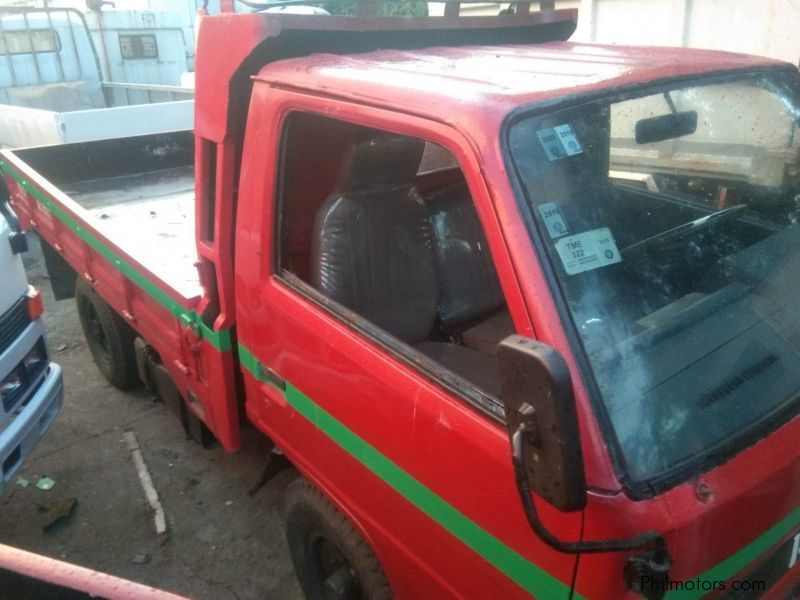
[715,218]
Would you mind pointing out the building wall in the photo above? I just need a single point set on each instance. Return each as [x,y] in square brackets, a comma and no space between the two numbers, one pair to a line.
[763,27]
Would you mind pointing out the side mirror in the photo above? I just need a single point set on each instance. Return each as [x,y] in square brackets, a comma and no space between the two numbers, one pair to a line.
[546,452]
[536,391]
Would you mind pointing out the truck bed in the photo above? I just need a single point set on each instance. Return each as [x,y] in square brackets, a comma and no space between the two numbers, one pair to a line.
[137,192]
[119,214]
[21,126]
[151,217]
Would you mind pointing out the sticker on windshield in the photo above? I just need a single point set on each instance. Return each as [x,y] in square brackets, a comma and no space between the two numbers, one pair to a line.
[560,141]
[588,250]
[553,219]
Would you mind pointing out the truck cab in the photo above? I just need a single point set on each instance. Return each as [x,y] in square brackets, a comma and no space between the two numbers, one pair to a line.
[519,310]
[413,209]
[30,385]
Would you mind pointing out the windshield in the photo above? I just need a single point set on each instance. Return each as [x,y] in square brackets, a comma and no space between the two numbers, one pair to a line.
[671,223]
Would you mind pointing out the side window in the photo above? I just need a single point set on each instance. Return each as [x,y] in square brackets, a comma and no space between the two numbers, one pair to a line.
[27,42]
[384,226]
[138,46]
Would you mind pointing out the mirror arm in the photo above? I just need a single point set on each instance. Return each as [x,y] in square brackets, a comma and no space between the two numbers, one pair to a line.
[548,434]
[670,103]
[649,539]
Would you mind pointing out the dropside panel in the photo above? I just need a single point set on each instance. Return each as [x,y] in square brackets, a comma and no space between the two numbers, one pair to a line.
[197,357]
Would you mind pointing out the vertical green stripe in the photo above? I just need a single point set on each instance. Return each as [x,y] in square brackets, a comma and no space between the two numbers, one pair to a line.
[221,339]
[517,568]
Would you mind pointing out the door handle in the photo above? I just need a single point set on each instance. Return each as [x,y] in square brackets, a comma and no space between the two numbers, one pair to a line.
[271,376]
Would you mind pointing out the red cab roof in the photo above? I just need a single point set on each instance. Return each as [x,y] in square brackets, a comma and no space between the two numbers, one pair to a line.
[444,83]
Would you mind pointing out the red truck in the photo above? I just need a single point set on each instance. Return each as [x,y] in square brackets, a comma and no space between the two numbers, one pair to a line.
[518,310]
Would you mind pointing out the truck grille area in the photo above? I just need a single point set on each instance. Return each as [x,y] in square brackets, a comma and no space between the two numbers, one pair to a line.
[13,323]
[24,377]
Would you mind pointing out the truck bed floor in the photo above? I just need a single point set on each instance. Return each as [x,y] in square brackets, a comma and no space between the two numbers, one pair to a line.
[151,217]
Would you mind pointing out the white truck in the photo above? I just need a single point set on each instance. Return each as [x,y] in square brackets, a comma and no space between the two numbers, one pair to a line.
[52,84]
[31,390]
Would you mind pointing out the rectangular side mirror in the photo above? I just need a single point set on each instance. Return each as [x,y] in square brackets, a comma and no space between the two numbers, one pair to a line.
[546,454]
[536,391]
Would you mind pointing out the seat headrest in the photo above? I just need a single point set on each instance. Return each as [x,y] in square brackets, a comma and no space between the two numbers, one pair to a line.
[381,160]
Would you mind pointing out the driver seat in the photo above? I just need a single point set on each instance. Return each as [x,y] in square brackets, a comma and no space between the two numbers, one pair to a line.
[372,251]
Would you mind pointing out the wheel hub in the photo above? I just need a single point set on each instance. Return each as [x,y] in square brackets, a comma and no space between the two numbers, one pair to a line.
[342,584]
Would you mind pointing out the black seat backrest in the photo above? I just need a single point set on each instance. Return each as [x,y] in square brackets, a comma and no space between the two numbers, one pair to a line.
[372,249]
[468,283]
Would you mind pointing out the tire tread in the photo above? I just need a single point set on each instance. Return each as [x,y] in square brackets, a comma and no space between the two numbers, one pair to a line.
[301,494]
[122,371]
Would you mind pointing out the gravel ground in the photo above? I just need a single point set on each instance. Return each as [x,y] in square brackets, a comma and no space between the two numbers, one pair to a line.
[220,542]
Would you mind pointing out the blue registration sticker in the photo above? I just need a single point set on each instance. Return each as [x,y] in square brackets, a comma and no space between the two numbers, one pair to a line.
[559,142]
[553,219]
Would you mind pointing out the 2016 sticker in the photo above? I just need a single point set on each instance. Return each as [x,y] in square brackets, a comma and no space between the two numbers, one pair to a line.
[559,142]
[553,219]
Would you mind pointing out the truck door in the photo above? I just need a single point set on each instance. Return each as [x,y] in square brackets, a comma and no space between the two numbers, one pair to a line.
[369,307]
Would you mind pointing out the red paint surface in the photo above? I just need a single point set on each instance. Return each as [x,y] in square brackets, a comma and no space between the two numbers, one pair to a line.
[457,97]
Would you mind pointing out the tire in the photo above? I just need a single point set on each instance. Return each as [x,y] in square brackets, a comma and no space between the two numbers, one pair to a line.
[331,559]
[110,339]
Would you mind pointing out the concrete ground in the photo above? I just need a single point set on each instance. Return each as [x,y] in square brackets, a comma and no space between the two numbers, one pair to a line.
[220,542]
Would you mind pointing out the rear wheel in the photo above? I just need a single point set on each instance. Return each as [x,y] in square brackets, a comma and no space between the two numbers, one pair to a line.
[110,339]
[331,559]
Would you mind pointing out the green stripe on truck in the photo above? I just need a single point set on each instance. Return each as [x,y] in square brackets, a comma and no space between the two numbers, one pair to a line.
[220,339]
[735,564]
[506,560]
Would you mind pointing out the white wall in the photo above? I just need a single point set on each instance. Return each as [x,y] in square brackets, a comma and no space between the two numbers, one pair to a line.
[764,27]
